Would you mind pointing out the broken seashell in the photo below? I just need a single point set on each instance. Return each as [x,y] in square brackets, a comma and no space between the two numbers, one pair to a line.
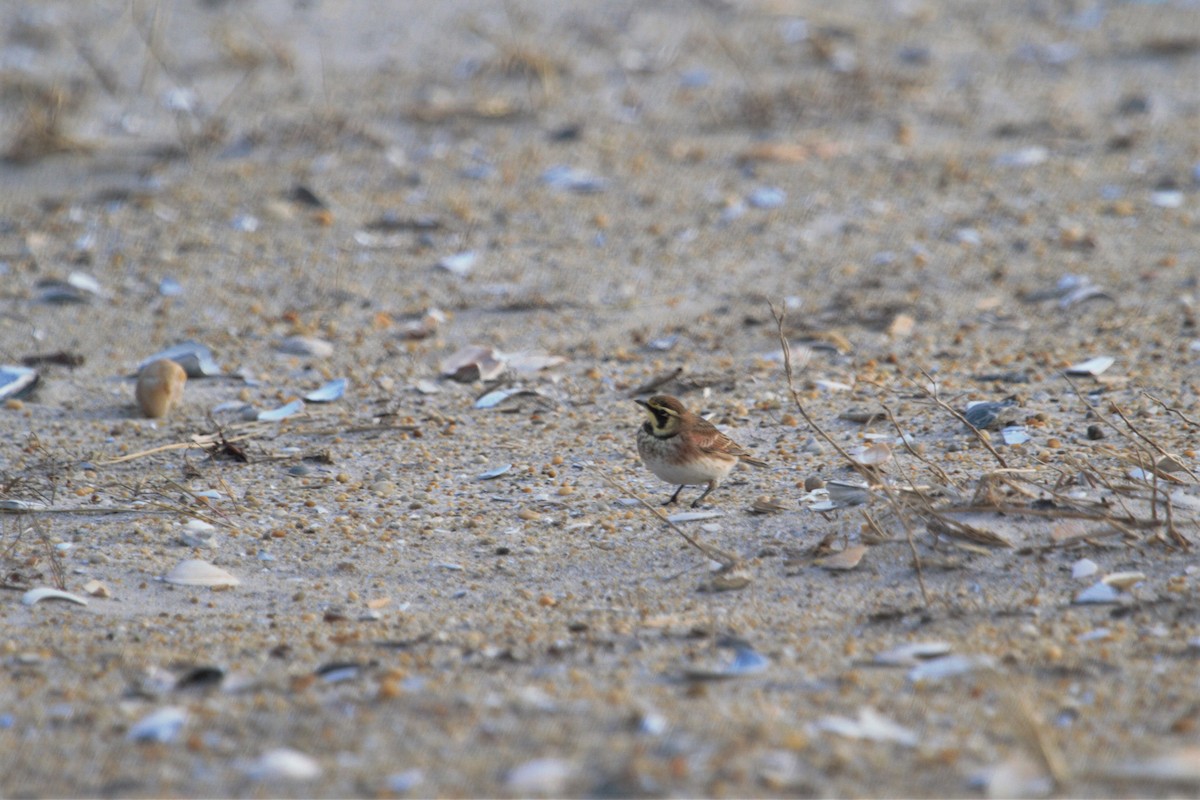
[194,572]
[306,346]
[473,363]
[871,726]
[334,390]
[160,387]
[912,653]
[947,667]
[843,494]
[459,264]
[198,533]
[35,596]
[875,455]
[494,473]
[1098,593]
[196,359]
[284,764]
[844,560]
[746,661]
[97,589]
[540,777]
[693,516]
[987,414]
[1084,568]
[1093,366]
[1123,581]
[281,413]
[159,726]
[16,382]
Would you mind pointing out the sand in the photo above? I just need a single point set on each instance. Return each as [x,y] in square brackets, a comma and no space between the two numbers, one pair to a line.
[438,599]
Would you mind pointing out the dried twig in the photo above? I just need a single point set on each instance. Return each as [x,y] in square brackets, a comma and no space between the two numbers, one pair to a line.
[726,560]
[942,404]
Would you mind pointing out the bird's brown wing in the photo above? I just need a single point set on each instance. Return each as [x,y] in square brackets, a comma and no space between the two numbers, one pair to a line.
[706,436]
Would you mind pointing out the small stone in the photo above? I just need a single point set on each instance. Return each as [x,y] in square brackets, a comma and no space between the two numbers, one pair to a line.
[160,388]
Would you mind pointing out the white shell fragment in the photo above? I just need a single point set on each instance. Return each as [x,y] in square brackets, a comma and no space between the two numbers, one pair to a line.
[573,179]
[843,494]
[159,726]
[746,661]
[693,516]
[198,533]
[473,363]
[334,390]
[871,726]
[1084,568]
[1124,581]
[1180,766]
[306,346]
[492,474]
[947,667]
[540,777]
[196,359]
[1093,366]
[459,264]
[35,596]
[1098,593]
[1015,434]
[194,572]
[284,764]
[16,381]
[281,413]
[912,653]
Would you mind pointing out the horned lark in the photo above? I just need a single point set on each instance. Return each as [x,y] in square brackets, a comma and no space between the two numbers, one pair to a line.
[685,449]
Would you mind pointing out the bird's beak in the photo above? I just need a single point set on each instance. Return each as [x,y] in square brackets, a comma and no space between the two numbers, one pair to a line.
[642,403]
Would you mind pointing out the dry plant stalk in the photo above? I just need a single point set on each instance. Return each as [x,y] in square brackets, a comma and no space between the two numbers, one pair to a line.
[726,560]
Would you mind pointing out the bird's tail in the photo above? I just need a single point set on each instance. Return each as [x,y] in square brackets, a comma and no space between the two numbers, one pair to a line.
[752,461]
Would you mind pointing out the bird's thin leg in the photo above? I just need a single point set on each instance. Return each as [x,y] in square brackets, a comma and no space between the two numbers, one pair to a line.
[696,503]
[674,497]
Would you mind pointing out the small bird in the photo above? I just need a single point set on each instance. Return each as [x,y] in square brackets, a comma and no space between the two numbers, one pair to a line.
[685,449]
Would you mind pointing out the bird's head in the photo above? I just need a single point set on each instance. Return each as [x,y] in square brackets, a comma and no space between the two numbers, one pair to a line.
[665,412]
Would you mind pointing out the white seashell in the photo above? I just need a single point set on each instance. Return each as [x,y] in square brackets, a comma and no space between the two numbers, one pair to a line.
[871,726]
[459,264]
[196,359]
[16,381]
[281,413]
[1093,366]
[946,667]
[329,392]
[284,764]
[34,596]
[1098,593]
[692,516]
[1124,580]
[198,533]
[160,726]
[194,572]
[912,653]
[1084,568]
[306,346]
[492,474]
[542,776]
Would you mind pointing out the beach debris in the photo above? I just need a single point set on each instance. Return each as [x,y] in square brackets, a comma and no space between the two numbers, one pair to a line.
[1084,568]
[1015,434]
[948,666]
[843,494]
[1070,290]
[305,346]
[198,533]
[195,358]
[846,559]
[284,764]
[986,414]
[573,179]
[17,382]
[459,264]
[874,455]
[79,287]
[541,777]
[35,596]
[424,327]
[333,390]
[96,588]
[1178,766]
[870,726]
[473,363]
[1024,157]
[1093,366]
[404,782]
[766,197]
[693,516]
[767,505]
[195,572]
[912,653]
[169,287]
[160,726]
[281,413]
[746,661]
[1098,593]
[527,363]
[492,474]
[498,396]
[1019,775]
[160,387]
